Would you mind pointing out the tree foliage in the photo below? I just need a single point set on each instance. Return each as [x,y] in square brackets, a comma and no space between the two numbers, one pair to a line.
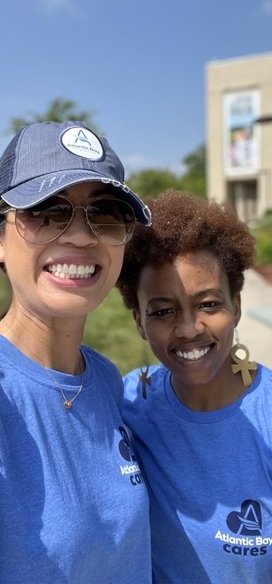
[150,183]
[58,110]
[194,184]
[194,178]
[195,162]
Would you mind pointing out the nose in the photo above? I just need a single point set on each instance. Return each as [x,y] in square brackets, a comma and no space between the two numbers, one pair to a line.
[78,232]
[189,325]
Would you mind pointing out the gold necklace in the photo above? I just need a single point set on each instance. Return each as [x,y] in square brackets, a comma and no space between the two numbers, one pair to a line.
[67,403]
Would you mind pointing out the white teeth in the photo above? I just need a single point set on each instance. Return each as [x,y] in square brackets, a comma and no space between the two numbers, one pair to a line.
[193,355]
[72,271]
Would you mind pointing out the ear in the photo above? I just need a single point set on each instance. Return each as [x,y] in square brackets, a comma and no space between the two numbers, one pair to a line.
[237,308]
[138,320]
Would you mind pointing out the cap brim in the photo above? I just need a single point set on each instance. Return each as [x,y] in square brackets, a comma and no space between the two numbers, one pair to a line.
[41,188]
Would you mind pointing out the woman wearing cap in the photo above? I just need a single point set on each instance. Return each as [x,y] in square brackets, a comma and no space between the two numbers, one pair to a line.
[73,509]
[201,420]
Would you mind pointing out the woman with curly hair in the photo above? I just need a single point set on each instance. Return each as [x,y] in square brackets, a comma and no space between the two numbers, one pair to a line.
[201,419]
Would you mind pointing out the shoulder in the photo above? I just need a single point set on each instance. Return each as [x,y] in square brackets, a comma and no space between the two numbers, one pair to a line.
[145,398]
[98,359]
[144,380]
[259,394]
[265,371]
[105,375]
[264,376]
[101,366]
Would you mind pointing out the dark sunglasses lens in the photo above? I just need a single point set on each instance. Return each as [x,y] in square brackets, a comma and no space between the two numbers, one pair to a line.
[112,220]
[44,222]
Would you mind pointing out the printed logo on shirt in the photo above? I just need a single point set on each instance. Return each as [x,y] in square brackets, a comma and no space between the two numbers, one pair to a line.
[130,469]
[246,523]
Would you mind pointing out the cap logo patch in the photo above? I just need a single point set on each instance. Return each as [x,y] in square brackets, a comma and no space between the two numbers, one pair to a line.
[82,142]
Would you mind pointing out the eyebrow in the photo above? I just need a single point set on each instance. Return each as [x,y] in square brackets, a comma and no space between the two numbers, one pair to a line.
[108,191]
[162,299]
[210,291]
[201,294]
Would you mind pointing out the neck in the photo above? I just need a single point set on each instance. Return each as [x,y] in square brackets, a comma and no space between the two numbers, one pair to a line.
[55,347]
[216,394]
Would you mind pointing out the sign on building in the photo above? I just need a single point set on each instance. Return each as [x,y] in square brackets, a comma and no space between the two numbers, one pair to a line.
[240,134]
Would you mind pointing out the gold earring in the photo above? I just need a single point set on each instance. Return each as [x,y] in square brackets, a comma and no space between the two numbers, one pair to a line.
[143,334]
[243,365]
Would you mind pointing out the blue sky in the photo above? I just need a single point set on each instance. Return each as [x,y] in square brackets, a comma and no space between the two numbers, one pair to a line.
[138,64]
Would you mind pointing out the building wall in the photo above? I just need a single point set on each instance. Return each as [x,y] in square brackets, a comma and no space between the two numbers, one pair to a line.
[250,192]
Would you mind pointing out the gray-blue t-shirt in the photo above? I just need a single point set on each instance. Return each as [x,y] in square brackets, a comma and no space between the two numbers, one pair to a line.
[210,481]
[73,505]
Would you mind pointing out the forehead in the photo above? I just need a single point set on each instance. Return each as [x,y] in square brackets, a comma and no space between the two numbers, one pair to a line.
[202,261]
[192,271]
[89,190]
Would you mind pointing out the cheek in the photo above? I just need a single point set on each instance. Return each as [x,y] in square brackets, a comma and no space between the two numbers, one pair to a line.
[118,259]
[225,331]
[156,334]
[115,263]
[21,260]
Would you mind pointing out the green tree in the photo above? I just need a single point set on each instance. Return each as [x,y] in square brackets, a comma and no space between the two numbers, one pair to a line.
[59,110]
[195,162]
[152,182]
[194,178]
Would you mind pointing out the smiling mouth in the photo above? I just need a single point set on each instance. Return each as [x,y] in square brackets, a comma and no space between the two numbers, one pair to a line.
[193,355]
[72,271]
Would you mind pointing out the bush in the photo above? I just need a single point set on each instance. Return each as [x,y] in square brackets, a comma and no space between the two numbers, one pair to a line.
[264,247]
[262,231]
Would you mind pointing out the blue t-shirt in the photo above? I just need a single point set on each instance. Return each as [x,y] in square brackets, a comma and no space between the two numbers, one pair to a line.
[73,504]
[209,476]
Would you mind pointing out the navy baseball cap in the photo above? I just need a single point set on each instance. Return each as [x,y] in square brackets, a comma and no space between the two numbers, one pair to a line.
[45,158]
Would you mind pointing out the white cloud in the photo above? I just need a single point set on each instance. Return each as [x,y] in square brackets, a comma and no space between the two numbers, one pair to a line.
[266,7]
[177,169]
[136,162]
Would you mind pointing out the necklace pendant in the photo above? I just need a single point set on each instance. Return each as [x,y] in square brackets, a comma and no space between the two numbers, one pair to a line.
[67,404]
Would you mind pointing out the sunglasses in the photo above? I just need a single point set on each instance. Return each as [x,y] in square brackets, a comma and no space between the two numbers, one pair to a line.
[111,220]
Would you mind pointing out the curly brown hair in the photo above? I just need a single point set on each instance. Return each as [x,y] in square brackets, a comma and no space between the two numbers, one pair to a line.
[183,223]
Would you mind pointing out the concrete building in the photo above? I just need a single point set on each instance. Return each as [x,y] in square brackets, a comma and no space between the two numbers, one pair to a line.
[239,151]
